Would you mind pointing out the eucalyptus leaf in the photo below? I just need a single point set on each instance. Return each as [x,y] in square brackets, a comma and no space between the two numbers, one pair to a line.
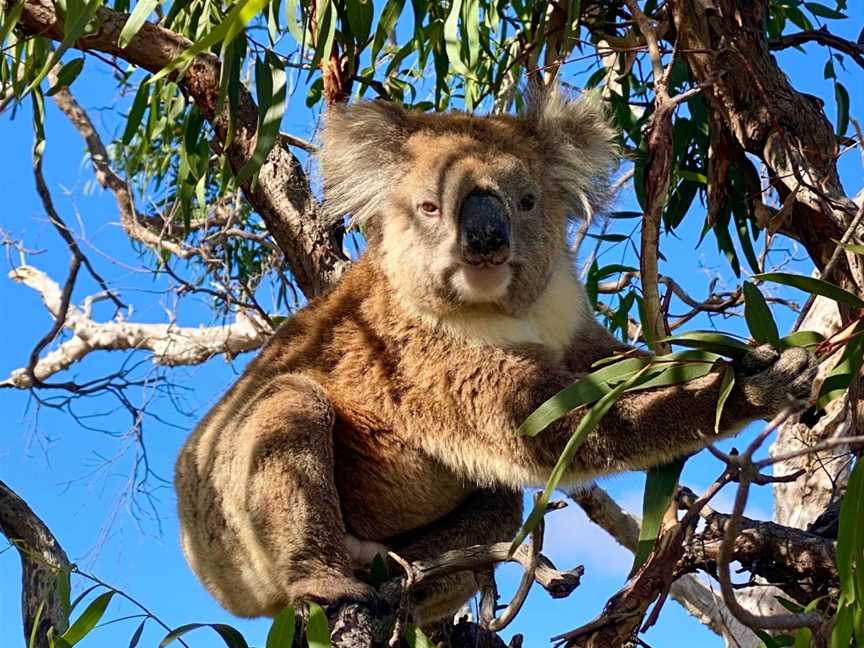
[88,619]
[814,286]
[317,629]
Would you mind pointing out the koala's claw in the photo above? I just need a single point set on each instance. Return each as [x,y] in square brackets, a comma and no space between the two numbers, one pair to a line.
[789,377]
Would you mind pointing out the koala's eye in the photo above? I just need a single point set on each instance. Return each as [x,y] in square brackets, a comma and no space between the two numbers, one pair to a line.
[527,202]
[429,208]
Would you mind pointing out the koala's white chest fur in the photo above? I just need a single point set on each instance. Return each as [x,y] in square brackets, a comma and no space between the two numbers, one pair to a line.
[560,311]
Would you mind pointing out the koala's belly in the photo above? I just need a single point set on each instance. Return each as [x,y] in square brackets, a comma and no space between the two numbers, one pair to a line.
[387,487]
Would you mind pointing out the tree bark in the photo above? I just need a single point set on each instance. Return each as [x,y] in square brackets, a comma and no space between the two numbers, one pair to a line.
[41,559]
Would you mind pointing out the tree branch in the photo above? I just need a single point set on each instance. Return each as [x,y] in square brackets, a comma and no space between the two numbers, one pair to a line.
[309,238]
[171,345]
[823,37]
[41,558]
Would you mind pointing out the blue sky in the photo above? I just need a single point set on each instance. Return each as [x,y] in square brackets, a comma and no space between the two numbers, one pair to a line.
[75,478]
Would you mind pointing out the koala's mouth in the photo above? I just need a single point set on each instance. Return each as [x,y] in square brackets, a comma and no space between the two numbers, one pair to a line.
[482,283]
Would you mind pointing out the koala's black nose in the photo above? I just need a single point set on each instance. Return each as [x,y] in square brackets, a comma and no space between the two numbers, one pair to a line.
[484,229]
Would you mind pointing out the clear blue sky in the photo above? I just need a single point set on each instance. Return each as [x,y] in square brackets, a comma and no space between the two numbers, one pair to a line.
[75,478]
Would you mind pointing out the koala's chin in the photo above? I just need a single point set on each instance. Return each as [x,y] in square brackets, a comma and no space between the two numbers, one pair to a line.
[479,284]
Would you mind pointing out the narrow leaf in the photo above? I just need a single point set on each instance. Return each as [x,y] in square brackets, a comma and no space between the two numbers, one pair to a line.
[415,637]
[224,32]
[802,339]
[281,634]
[813,285]
[67,74]
[725,389]
[136,636]
[660,483]
[143,8]
[136,112]
[760,321]
[317,630]
[710,341]
[838,380]
[272,90]
[841,96]
[586,425]
[88,619]
[587,389]
[850,535]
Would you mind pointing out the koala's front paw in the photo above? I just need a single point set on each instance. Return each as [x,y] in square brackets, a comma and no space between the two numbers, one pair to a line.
[770,380]
[363,552]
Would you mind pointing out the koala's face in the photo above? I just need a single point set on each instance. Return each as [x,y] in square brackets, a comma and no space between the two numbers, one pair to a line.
[469,221]
[464,211]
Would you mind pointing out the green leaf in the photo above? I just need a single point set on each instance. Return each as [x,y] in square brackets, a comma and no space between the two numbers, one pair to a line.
[838,380]
[317,629]
[802,339]
[67,74]
[855,248]
[296,20]
[78,14]
[850,536]
[587,389]
[824,12]
[360,15]
[415,637]
[231,637]
[271,88]
[224,32]
[64,590]
[812,285]
[88,619]
[719,343]
[725,389]
[324,38]
[660,483]
[386,24]
[10,19]
[136,636]
[143,8]
[136,112]
[841,96]
[841,635]
[803,637]
[281,634]
[586,425]
[452,41]
[760,321]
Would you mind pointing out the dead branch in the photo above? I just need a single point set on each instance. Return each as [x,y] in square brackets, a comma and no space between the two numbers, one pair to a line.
[171,345]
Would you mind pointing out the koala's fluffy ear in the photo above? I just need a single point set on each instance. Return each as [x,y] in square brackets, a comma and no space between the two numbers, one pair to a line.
[578,143]
[360,156]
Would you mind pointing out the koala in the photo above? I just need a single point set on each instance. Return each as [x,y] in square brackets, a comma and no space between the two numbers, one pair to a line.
[382,414]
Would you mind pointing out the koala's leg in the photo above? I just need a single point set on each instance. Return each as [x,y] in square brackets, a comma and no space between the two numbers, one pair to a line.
[272,481]
[485,516]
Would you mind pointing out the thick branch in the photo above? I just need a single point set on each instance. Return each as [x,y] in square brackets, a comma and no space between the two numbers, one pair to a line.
[310,241]
[800,563]
[687,590]
[41,558]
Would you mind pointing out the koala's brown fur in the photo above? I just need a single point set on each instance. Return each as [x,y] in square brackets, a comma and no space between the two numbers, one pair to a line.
[384,411]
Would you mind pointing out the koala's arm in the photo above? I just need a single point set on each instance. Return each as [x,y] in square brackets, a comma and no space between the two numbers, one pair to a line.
[642,429]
